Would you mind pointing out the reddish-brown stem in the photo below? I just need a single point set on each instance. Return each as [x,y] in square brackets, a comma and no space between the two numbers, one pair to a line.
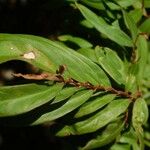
[87,85]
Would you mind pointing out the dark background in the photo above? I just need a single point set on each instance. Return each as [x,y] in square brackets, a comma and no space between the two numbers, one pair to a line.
[37,17]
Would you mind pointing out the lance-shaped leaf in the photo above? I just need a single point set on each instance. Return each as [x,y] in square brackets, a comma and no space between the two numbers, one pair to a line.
[19,99]
[125,3]
[76,40]
[142,54]
[94,105]
[114,109]
[111,63]
[99,120]
[66,131]
[65,93]
[111,32]
[95,4]
[74,102]
[86,24]
[107,136]
[131,25]
[38,51]
[99,4]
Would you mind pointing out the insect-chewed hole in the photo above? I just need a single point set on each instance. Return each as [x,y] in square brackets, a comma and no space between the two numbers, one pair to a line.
[15,66]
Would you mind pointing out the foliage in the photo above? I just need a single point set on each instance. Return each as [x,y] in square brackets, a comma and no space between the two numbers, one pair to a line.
[102,89]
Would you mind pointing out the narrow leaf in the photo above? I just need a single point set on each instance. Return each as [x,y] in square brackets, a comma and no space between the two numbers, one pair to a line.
[65,93]
[111,32]
[19,99]
[142,54]
[86,24]
[111,63]
[76,40]
[131,25]
[114,109]
[107,136]
[125,3]
[74,102]
[94,105]
[95,4]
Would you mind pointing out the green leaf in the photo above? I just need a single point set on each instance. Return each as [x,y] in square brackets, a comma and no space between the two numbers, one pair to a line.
[99,120]
[142,54]
[95,4]
[116,24]
[111,63]
[55,54]
[19,99]
[145,26]
[139,117]
[107,135]
[86,23]
[137,4]
[110,31]
[131,82]
[131,25]
[125,3]
[88,52]
[140,112]
[136,14]
[77,40]
[66,131]
[102,118]
[75,101]
[25,51]
[98,4]
[130,138]
[65,93]
[120,147]
[94,104]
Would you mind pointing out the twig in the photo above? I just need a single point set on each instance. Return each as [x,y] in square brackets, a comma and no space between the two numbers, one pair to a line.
[58,77]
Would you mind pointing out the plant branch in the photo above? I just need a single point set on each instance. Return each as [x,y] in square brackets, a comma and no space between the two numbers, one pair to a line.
[58,77]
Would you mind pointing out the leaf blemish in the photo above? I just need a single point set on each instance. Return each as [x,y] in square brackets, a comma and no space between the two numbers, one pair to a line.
[29,55]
